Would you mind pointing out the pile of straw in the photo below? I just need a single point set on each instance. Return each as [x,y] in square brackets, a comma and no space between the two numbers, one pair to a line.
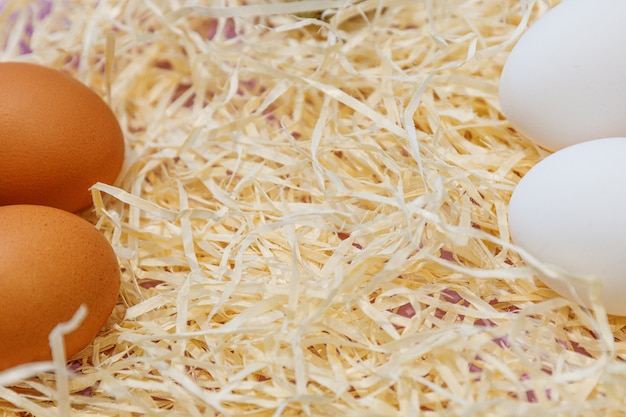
[312,218]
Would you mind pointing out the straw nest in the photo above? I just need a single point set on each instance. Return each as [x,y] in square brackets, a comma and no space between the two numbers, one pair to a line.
[312,216]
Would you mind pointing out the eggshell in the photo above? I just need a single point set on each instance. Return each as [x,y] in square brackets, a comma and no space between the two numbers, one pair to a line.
[568,210]
[57,138]
[51,262]
[563,82]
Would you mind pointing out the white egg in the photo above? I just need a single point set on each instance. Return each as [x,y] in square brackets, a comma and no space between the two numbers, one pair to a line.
[564,81]
[569,210]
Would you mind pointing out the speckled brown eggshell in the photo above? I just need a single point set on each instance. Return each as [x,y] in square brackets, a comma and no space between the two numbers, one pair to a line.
[51,262]
[57,138]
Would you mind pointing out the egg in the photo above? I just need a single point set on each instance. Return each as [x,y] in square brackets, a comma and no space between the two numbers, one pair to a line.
[568,211]
[51,262]
[563,82]
[57,138]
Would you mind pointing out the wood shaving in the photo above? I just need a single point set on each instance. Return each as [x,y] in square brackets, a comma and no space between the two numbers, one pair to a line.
[311,219]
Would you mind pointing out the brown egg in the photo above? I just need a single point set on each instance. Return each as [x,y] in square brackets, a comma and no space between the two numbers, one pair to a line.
[51,262]
[57,138]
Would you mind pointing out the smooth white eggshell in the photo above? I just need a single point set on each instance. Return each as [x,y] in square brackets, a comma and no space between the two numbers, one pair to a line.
[569,210]
[564,81]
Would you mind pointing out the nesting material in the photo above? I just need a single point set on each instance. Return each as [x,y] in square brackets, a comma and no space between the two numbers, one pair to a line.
[312,216]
